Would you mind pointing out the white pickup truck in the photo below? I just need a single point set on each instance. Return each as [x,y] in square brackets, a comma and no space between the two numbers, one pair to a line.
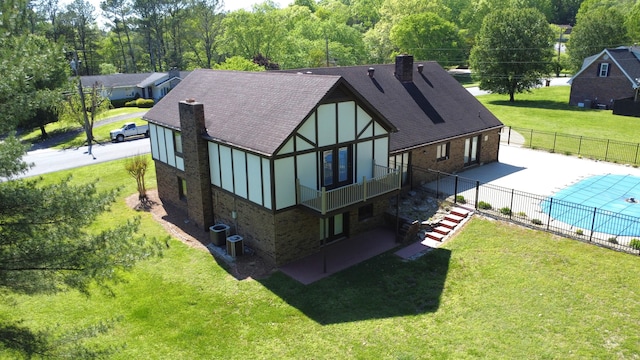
[128,130]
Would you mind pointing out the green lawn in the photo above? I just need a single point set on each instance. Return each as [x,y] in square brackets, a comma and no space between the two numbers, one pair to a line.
[100,133]
[547,109]
[494,291]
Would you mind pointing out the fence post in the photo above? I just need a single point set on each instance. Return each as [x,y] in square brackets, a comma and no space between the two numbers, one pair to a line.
[437,185]
[549,219]
[531,139]
[509,136]
[555,136]
[455,191]
[580,145]
[635,161]
[477,194]
[606,153]
[511,205]
[298,197]
[364,187]
[593,221]
[323,201]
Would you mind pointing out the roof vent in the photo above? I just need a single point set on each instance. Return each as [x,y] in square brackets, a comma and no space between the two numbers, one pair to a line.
[191,100]
[420,68]
[371,71]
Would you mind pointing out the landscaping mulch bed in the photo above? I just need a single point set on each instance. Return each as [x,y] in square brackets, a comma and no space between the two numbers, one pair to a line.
[243,267]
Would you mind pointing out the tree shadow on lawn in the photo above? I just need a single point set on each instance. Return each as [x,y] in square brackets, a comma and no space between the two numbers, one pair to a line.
[382,287]
[536,104]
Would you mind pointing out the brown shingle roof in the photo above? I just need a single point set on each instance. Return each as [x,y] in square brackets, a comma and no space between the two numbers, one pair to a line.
[432,108]
[254,111]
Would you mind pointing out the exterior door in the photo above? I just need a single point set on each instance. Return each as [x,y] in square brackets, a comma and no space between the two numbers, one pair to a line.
[337,165]
[471,150]
[335,227]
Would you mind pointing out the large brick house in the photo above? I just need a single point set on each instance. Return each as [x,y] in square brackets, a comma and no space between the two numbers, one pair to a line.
[293,160]
[609,76]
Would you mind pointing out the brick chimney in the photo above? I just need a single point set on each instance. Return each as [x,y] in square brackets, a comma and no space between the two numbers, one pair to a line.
[404,68]
[196,163]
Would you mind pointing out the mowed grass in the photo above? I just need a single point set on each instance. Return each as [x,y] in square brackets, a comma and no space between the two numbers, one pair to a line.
[100,132]
[547,109]
[494,291]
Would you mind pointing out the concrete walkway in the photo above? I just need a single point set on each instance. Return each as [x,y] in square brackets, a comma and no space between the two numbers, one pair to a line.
[540,172]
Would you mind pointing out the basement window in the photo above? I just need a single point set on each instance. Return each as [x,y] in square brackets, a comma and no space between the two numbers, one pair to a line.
[365,212]
[182,188]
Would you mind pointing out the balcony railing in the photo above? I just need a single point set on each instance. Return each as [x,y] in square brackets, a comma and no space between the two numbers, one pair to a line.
[323,201]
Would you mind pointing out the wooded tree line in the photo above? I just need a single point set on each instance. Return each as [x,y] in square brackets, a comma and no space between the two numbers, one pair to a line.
[156,35]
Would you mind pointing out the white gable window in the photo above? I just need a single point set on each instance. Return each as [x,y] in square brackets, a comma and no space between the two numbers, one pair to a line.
[603,70]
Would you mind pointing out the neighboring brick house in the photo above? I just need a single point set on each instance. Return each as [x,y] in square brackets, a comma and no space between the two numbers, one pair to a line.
[132,86]
[611,75]
[295,160]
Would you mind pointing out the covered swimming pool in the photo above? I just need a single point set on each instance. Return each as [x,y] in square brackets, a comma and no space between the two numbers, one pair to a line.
[607,204]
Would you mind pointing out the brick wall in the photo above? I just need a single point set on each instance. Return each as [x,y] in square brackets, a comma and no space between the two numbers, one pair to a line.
[196,163]
[253,222]
[425,157]
[168,189]
[588,85]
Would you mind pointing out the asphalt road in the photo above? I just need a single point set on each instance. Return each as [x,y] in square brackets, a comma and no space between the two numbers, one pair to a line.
[46,160]
[50,160]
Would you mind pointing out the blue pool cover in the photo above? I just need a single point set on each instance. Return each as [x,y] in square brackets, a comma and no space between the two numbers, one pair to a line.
[616,198]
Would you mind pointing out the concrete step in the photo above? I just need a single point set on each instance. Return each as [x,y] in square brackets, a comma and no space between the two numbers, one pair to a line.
[458,211]
[434,236]
[431,243]
[449,224]
[453,218]
[442,230]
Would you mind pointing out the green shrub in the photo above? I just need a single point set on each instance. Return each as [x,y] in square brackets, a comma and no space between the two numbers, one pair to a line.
[579,232]
[612,240]
[141,103]
[635,244]
[505,211]
[460,199]
[484,205]
[522,214]
[536,221]
[119,103]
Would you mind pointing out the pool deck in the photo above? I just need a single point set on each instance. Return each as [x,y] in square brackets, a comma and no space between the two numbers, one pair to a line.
[540,172]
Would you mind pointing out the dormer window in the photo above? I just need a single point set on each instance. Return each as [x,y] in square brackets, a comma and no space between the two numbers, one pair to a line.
[603,70]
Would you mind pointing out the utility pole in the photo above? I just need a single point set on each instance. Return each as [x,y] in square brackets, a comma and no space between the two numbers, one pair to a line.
[87,130]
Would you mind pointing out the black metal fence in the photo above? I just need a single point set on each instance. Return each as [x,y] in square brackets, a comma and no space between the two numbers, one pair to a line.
[605,228]
[594,148]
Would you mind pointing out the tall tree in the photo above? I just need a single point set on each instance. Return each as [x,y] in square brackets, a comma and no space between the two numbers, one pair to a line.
[46,246]
[633,23]
[596,30]
[119,13]
[513,52]
[80,16]
[84,106]
[205,26]
[32,70]
[261,31]
[429,37]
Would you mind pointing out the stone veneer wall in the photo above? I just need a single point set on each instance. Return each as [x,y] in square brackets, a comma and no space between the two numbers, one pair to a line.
[425,157]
